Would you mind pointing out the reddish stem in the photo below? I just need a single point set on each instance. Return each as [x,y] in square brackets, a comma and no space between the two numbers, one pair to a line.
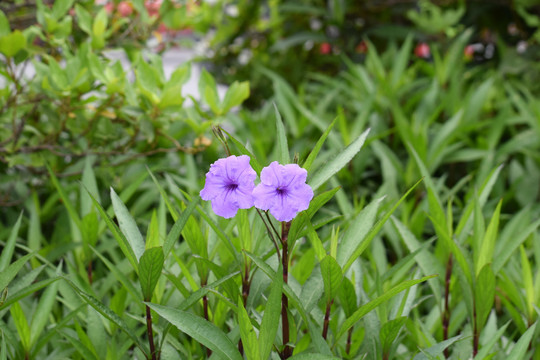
[287,349]
[446,313]
[150,333]
[327,319]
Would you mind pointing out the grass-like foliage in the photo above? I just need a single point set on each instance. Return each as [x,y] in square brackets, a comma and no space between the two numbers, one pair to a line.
[414,234]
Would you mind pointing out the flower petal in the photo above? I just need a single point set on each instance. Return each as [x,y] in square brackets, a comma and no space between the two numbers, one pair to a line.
[271,174]
[213,186]
[282,209]
[229,185]
[295,174]
[225,204]
[300,196]
[264,196]
[244,195]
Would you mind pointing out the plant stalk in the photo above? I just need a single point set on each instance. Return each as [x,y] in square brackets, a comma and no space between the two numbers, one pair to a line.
[349,341]
[89,272]
[327,319]
[150,333]
[287,349]
[476,333]
[205,312]
[446,313]
[246,285]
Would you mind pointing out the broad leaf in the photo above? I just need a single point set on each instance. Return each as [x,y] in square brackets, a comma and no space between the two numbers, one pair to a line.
[150,266]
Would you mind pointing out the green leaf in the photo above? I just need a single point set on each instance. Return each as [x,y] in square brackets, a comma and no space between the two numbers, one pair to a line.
[84,19]
[81,348]
[282,146]
[60,8]
[312,356]
[88,182]
[98,29]
[197,295]
[338,162]
[332,277]
[315,332]
[247,334]
[12,270]
[401,61]
[520,349]
[27,291]
[4,26]
[66,201]
[484,192]
[201,330]
[124,280]
[374,230]
[347,297]
[313,154]
[9,247]
[484,294]
[527,282]
[117,234]
[212,99]
[236,94]
[152,234]
[127,225]
[3,351]
[364,309]
[436,350]
[316,243]
[488,243]
[270,320]
[506,249]
[243,150]
[176,230]
[208,91]
[43,310]
[21,324]
[109,314]
[303,218]
[150,266]
[359,227]
[389,332]
[426,260]
[483,353]
[11,44]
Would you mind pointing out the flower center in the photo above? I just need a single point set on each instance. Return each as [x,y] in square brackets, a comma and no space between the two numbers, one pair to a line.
[281,191]
[232,186]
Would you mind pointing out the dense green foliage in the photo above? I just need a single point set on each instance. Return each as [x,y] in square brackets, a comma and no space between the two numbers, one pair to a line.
[422,240]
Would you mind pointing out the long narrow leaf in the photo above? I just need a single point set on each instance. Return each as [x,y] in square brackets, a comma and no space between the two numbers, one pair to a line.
[363,310]
[117,234]
[9,247]
[338,162]
[201,330]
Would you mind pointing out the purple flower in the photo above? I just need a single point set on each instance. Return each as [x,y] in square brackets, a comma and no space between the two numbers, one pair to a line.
[229,185]
[283,191]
